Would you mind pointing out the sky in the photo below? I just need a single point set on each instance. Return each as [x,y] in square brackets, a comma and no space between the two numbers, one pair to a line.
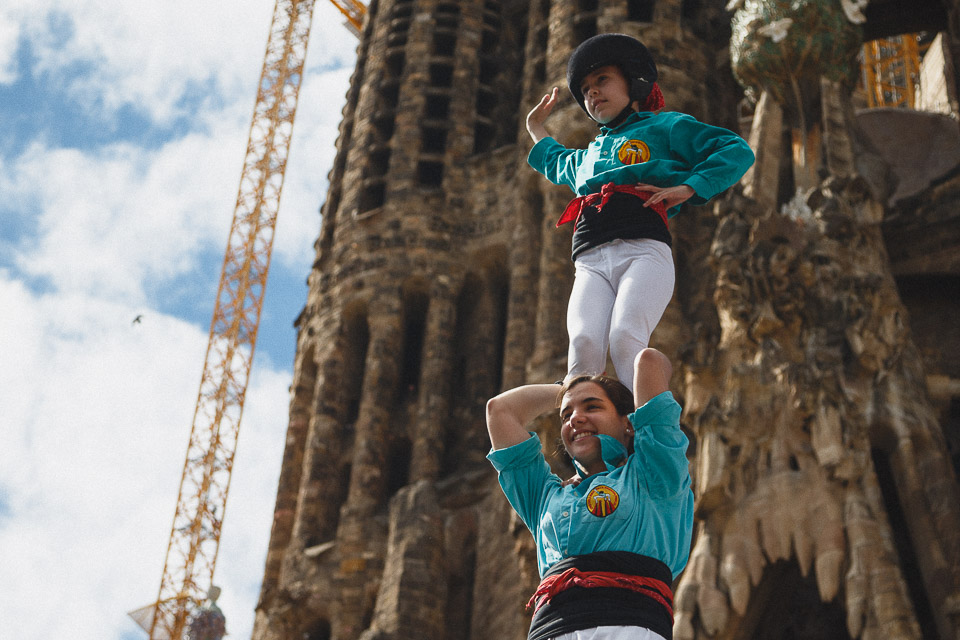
[124,127]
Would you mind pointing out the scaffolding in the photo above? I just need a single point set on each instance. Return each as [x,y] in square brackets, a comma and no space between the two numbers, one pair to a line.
[891,71]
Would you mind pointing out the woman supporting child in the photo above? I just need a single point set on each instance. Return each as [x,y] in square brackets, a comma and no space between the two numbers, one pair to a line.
[610,545]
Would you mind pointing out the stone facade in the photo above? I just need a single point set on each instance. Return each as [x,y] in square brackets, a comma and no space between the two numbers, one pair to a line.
[813,332]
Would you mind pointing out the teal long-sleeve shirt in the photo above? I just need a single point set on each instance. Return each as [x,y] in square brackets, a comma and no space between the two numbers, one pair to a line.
[665,149]
[644,506]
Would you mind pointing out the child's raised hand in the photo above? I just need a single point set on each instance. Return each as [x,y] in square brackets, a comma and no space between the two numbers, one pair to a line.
[669,196]
[539,114]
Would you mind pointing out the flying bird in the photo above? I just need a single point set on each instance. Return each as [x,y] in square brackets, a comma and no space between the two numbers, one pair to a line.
[137,319]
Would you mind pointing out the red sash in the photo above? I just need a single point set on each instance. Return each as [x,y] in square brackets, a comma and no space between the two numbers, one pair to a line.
[575,209]
[651,587]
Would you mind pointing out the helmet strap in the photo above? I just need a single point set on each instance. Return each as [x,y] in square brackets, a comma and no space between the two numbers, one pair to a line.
[653,102]
[619,118]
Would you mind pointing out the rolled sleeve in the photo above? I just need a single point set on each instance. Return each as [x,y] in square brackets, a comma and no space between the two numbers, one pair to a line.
[660,446]
[524,476]
[538,153]
[519,455]
[718,157]
[557,163]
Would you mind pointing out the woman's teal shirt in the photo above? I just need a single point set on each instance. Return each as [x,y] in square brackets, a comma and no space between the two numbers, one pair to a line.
[644,506]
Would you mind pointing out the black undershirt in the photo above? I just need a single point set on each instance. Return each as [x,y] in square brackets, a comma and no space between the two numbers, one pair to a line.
[623,216]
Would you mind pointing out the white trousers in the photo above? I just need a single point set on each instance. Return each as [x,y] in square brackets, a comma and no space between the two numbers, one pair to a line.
[611,633]
[620,292]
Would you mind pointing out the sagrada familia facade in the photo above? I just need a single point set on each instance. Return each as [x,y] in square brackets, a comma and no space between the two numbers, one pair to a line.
[814,327]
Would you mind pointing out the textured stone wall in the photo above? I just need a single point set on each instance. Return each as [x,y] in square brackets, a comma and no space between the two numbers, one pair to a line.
[822,465]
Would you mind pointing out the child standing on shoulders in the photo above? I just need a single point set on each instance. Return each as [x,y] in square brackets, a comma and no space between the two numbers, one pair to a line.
[629,181]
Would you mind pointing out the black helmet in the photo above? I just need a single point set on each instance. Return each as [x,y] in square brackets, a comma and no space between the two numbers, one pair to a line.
[619,49]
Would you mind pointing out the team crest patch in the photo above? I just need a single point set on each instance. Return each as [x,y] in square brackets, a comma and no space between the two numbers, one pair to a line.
[634,152]
[602,501]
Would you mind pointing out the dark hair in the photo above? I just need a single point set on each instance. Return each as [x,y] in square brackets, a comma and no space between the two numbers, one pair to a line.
[617,392]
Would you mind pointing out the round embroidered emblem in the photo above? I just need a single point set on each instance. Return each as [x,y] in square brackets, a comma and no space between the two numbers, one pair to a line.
[602,501]
[634,152]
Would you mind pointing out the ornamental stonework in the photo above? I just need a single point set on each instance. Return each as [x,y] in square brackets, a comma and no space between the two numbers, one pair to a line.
[813,331]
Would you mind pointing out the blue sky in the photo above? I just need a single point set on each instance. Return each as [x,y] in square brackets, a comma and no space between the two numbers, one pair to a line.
[124,128]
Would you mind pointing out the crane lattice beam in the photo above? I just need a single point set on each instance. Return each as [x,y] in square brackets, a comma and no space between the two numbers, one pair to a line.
[205,483]
[353,11]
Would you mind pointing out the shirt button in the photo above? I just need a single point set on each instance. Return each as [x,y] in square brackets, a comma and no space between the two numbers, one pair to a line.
[566,513]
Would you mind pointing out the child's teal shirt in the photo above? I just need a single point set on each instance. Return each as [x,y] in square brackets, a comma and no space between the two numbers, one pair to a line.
[665,149]
[644,506]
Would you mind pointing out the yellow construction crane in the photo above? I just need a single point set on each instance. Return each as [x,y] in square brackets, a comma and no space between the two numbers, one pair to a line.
[205,483]
[353,11]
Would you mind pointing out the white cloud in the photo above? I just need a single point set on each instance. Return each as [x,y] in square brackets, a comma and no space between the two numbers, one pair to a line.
[111,218]
[153,54]
[94,410]
[141,53]
[96,416]
[151,210]
[9,36]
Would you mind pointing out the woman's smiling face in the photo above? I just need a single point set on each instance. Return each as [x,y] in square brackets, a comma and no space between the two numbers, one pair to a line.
[586,411]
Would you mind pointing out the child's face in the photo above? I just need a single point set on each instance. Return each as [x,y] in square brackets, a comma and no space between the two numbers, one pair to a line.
[605,93]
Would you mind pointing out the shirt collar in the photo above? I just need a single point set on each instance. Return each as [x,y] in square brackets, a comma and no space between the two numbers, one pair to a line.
[636,116]
[612,452]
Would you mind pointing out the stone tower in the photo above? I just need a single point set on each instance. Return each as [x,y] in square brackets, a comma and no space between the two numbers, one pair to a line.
[824,428]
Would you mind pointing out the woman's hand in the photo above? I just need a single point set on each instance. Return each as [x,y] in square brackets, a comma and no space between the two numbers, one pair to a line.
[539,114]
[669,196]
